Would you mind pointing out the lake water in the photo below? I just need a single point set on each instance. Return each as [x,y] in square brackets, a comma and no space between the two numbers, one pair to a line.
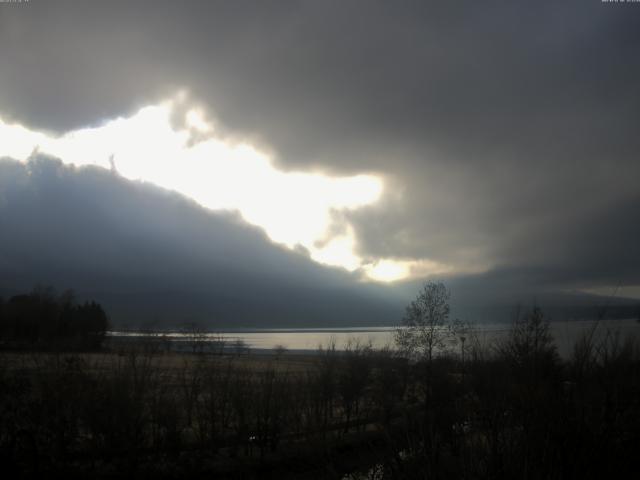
[309,339]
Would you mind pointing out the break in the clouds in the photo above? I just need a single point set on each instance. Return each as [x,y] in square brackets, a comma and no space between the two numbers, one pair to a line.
[505,134]
[174,146]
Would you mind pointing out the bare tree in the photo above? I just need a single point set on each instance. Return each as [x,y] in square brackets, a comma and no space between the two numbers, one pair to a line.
[240,347]
[279,350]
[217,344]
[425,325]
[353,378]
[530,341]
[196,336]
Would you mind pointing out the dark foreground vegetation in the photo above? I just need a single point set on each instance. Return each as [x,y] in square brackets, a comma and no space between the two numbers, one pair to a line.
[508,410]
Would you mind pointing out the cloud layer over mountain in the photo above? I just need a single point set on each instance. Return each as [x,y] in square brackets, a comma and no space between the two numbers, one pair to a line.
[154,256]
[506,132]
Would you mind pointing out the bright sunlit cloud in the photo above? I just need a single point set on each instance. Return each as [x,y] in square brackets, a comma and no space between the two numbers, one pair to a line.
[388,270]
[293,208]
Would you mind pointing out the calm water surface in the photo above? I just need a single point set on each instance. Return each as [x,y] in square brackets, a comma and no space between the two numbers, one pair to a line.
[308,339]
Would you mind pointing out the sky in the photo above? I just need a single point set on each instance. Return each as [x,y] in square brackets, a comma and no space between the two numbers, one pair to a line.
[492,145]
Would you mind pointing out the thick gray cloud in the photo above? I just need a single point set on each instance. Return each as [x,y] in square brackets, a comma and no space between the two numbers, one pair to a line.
[151,255]
[507,130]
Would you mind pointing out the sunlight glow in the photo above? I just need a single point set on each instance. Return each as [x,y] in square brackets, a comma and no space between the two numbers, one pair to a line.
[294,208]
[387,270]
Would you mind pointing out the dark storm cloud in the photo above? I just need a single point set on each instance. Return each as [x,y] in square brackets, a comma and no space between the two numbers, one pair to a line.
[507,130]
[151,255]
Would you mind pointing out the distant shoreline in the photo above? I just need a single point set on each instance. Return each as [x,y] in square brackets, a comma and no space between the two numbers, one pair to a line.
[485,326]
[302,340]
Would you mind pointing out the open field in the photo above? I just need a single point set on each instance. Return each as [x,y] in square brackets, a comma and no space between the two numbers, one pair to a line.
[171,363]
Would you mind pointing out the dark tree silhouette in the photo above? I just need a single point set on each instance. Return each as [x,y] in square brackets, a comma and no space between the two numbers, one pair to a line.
[42,319]
[424,326]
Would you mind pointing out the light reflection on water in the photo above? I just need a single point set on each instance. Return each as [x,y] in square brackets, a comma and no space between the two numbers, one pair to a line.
[309,339]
